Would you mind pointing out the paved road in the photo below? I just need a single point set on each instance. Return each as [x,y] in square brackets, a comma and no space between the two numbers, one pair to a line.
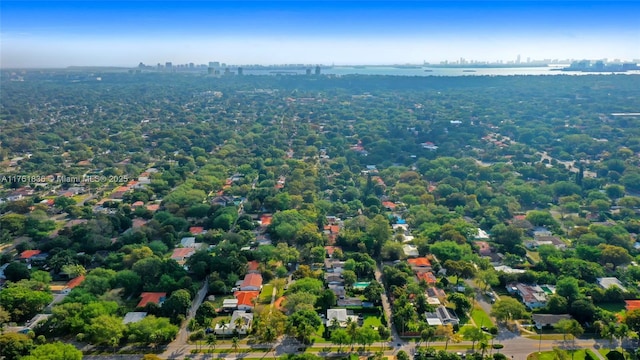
[179,347]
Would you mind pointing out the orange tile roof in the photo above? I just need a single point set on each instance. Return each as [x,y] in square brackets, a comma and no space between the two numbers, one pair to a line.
[153,207]
[246,297]
[266,219]
[151,297]
[330,249]
[137,203]
[253,265]
[420,262]
[428,277]
[389,205]
[632,304]
[252,280]
[181,253]
[28,254]
[75,282]
[196,230]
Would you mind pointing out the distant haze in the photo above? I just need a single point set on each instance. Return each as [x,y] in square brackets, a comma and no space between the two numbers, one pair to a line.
[60,34]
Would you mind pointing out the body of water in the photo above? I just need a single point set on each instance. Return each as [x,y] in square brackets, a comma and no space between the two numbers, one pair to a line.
[433,71]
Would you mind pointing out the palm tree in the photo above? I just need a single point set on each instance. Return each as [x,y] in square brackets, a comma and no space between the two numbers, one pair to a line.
[352,330]
[211,341]
[234,343]
[224,325]
[239,323]
[483,346]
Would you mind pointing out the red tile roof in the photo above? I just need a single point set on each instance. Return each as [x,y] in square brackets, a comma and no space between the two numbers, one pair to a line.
[331,249]
[266,219]
[151,297]
[246,297]
[632,304]
[333,229]
[75,282]
[181,253]
[428,277]
[253,279]
[389,205]
[153,207]
[137,203]
[420,262]
[196,230]
[28,254]
[253,265]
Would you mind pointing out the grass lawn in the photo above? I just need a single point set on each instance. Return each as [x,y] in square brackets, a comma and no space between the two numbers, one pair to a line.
[480,317]
[549,355]
[533,255]
[549,337]
[613,307]
[372,320]
[317,337]
[265,295]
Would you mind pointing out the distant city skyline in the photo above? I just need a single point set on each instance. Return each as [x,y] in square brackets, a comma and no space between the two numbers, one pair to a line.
[101,33]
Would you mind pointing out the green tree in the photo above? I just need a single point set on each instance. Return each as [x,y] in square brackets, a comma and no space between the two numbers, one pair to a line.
[16,271]
[366,336]
[14,346]
[615,255]
[460,268]
[177,304]
[461,302]
[508,309]
[302,324]
[54,351]
[104,329]
[474,335]
[22,302]
[569,326]
[340,337]
[568,288]
[373,292]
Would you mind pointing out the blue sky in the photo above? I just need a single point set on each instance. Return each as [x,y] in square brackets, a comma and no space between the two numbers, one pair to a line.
[64,33]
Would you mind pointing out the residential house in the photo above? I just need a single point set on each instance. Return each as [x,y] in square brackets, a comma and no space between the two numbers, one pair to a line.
[607,282]
[484,249]
[180,255]
[546,240]
[152,297]
[340,317]
[253,266]
[229,305]
[133,317]
[442,316]
[420,264]
[28,255]
[533,296]
[196,230]
[251,282]
[240,323]
[331,249]
[188,242]
[246,299]
[410,250]
[428,277]
[334,265]
[338,290]
[333,278]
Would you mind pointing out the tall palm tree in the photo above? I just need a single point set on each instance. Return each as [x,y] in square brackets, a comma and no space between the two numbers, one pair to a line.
[234,343]
[352,330]
[211,341]
[483,346]
[224,325]
[239,323]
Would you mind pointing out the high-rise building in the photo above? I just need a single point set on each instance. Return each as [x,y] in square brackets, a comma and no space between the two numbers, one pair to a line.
[518,59]
[192,65]
[308,71]
[240,71]
[168,66]
[318,70]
